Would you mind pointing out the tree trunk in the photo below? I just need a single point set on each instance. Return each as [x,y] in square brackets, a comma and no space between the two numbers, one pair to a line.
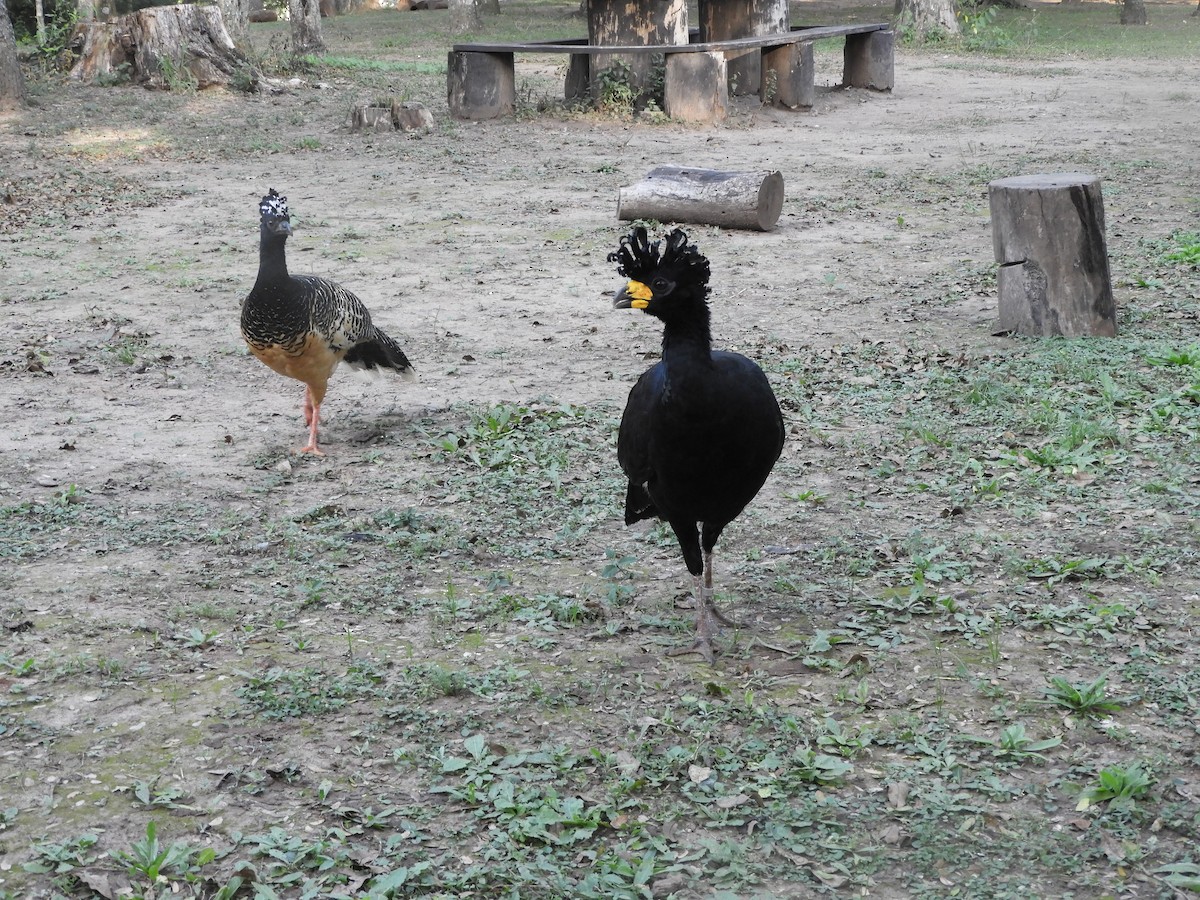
[925,17]
[1133,12]
[162,46]
[306,27]
[12,85]
[464,16]
[635,24]
[39,12]
[722,20]
[236,15]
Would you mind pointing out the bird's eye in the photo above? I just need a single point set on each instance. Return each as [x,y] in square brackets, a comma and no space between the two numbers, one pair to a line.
[659,285]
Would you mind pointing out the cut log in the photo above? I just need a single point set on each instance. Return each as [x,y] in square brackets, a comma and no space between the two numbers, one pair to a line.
[410,117]
[480,85]
[371,117]
[163,47]
[707,196]
[696,87]
[1048,235]
[869,60]
[788,75]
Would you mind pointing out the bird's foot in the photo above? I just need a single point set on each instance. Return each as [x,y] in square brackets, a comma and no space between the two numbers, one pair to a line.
[702,646]
[704,599]
[311,448]
[721,617]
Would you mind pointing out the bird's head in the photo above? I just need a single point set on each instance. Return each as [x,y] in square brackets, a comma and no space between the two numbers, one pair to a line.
[275,218]
[664,283]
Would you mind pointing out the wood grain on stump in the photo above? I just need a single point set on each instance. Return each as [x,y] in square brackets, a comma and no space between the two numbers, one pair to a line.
[1048,235]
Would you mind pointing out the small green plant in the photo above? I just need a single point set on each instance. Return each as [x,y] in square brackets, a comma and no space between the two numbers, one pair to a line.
[57,858]
[1118,786]
[1188,248]
[197,638]
[176,76]
[841,740]
[150,794]
[1085,699]
[1015,743]
[150,858]
[245,79]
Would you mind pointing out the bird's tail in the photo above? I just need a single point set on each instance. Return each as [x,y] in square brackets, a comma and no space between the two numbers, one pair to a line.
[381,352]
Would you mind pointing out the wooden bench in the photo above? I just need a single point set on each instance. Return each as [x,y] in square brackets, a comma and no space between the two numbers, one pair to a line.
[481,78]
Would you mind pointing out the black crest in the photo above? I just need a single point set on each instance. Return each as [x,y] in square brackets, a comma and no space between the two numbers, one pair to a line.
[273,205]
[638,257]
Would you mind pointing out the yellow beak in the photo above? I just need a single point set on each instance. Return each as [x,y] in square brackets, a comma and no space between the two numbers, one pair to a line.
[636,295]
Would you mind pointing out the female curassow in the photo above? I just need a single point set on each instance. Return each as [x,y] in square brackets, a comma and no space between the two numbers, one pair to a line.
[303,326]
[702,428]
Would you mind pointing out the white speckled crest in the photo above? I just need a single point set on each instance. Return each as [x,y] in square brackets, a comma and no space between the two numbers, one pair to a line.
[273,205]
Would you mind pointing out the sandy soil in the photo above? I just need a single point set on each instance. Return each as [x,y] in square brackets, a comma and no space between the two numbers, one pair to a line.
[481,248]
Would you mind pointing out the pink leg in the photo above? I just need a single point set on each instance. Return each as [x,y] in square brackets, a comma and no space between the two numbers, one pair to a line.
[312,414]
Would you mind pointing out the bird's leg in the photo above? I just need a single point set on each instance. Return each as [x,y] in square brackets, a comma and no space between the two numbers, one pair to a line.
[308,406]
[706,629]
[705,596]
[312,413]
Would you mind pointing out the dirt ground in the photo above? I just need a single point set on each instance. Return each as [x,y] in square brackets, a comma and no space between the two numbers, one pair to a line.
[166,552]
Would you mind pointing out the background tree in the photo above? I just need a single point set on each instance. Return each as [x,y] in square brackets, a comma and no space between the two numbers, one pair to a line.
[236,15]
[306,26]
[12,86]
[1133,12]
[925,17]
[464,16]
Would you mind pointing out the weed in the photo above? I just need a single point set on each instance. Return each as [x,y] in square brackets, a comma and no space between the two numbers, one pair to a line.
[1088,699]
[1118,786]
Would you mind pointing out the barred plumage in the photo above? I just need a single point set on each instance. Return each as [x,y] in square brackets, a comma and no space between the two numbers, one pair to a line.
[302,326]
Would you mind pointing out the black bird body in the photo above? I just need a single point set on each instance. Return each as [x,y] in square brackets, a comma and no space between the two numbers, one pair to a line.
[702,428]
[303,326]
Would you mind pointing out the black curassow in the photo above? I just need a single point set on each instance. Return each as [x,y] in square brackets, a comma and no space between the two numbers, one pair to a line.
[302,326]
[702,428]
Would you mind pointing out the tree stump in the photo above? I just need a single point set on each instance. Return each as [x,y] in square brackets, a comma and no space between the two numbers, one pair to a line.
[788,75]
[1048,235]
[869,60]
[696,87]
[707,196]
[1133,12]
[480,85]
[633,23]
[722,20]
[162,46]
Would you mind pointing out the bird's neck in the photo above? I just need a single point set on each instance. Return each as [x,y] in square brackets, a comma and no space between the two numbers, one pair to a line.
[687,339]
[272,260]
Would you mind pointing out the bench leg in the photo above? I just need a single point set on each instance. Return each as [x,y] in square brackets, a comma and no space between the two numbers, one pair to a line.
[697,86]
[579,77]
[788,75]
[870,60]
[480,85]
[745,72]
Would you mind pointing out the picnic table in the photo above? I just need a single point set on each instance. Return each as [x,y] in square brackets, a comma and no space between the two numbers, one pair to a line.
[748,46]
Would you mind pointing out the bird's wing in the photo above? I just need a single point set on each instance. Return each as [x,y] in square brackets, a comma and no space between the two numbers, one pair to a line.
[336,313]
[633,442]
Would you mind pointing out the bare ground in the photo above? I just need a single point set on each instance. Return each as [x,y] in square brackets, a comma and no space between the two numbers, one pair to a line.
[263,641]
